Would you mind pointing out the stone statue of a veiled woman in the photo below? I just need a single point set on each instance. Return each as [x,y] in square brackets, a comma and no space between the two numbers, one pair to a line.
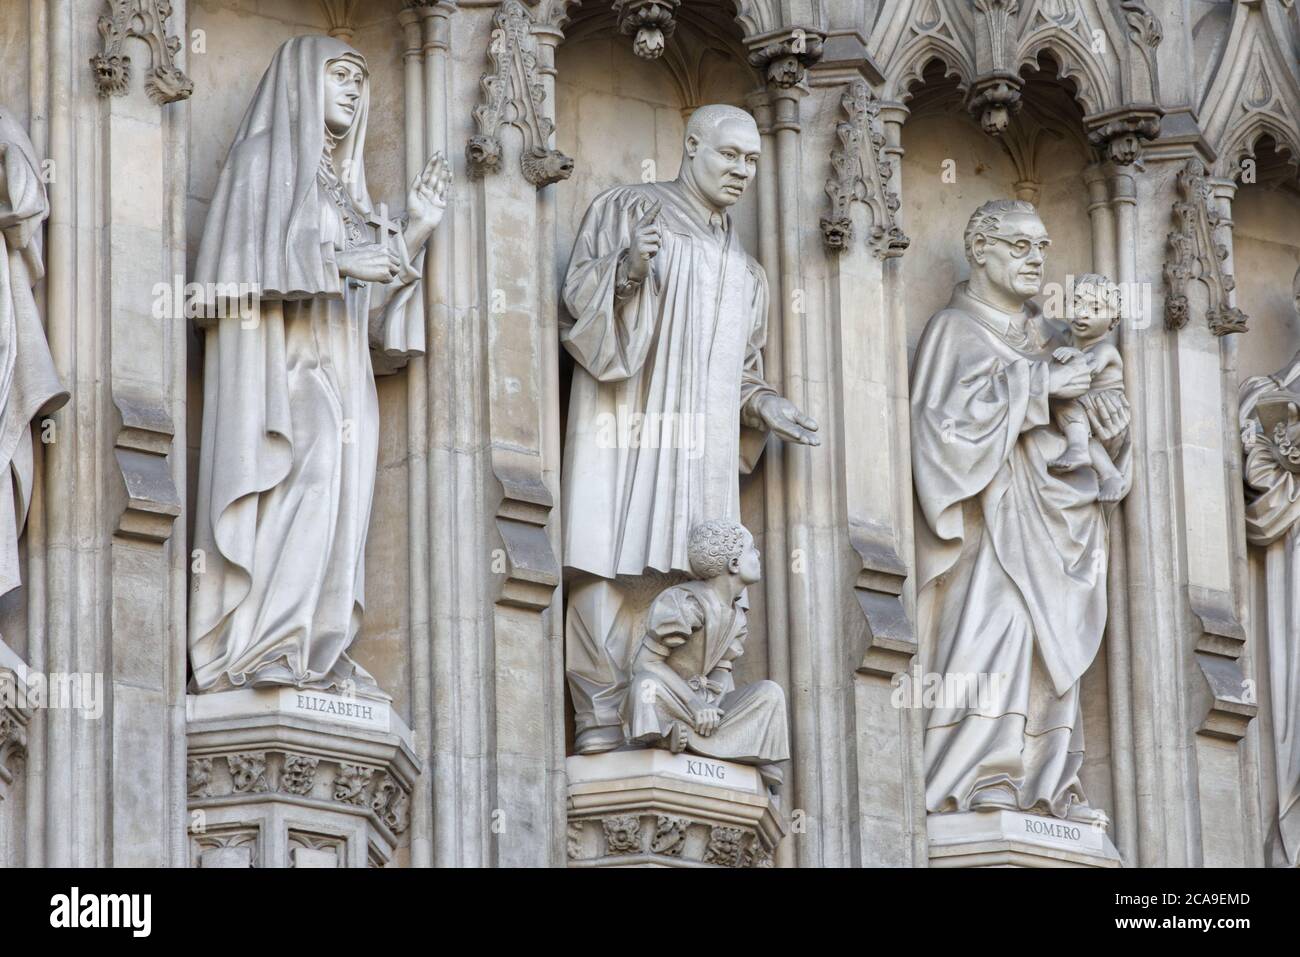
[291,413]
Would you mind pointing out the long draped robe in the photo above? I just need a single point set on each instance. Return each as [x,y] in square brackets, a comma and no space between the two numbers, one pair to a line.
[1273,523]
[29,384]
[684,663]
[677,360]
[1011,559]
[291,414]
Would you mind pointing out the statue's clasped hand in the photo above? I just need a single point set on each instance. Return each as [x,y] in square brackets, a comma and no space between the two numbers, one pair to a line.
[373,262]
[707,721]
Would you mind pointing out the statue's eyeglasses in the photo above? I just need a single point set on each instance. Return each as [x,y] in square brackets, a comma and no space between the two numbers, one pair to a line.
[1021,245]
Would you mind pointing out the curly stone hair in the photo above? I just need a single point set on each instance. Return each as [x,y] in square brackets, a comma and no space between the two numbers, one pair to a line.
[987,220]
[1106,289]
[713,545]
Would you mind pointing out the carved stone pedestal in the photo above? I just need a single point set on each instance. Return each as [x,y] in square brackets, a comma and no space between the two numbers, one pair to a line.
[1015,839]
[288,778]
[651,808]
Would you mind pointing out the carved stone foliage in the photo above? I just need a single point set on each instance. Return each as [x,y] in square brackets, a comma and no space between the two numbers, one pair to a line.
[299,774]
[724,847]
[315,778]
[664,839]
[785,58]
[1195,253]
[248,772]
[860,172]
[198,777]
[622,834]
[514,93]
[13,744]
[142,20]
[649,22]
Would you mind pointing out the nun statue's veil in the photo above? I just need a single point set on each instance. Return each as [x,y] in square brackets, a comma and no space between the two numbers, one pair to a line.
[263,226]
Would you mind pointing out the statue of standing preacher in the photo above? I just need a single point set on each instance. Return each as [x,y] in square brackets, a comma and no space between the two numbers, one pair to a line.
[667,317]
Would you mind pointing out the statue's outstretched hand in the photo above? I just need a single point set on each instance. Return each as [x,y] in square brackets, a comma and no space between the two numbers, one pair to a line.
[783,417]
[426,200]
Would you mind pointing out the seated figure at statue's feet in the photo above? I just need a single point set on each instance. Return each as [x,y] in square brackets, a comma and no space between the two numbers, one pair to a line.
[681,695]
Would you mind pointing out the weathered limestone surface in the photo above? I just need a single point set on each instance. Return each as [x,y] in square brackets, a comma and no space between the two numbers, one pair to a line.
[1156,140]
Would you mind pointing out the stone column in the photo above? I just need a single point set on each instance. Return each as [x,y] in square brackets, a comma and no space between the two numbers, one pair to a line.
[1183,604]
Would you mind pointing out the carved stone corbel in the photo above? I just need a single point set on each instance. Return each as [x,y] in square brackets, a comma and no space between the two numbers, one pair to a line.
[514,92]
[650,22]
[1195,253]
[787,55]
[142,20]
[13,744]
[861,171]
[1232,703]
[995,92]
[1119,134]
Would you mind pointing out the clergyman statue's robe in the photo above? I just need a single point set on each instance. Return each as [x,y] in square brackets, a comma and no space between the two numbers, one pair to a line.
[1273,524]
[665,375]
[29,384]
[1011,559]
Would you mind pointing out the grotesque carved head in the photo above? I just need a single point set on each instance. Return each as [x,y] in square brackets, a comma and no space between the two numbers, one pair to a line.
[720,548]
[721,153]
[1006,244]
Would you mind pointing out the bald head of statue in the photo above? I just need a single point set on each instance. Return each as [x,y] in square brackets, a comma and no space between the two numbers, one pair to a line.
[720,154]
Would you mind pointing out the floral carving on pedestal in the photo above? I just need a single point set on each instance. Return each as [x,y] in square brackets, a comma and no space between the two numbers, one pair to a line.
[13,745]
[724,846]
[198,777]
[351,782]
[392,804]
[622,834]
[1196,253]
[299,774]
[142,20]
[248,772]
[861,171]
[514,92]
[669,836]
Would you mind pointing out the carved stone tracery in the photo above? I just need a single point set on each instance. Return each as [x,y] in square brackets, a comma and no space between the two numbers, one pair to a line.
[861,172]
[1196,253]
[514,93]
[142,20]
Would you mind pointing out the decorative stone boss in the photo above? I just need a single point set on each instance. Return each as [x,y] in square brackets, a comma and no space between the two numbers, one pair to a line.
[290,410]
[1010,426]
